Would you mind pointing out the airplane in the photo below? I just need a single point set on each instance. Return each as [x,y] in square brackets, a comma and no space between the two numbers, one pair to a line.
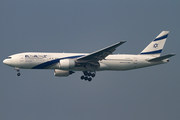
[65,64]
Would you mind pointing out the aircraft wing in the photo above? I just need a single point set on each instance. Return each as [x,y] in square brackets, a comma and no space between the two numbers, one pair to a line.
[100,54]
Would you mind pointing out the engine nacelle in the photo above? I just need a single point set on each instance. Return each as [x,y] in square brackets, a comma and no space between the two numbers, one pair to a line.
[62,73]
[66,64]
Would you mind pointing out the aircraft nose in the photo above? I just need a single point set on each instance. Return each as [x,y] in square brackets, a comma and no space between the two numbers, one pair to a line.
[7,62]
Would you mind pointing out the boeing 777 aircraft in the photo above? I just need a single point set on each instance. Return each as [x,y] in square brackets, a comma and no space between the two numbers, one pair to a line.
[64,64]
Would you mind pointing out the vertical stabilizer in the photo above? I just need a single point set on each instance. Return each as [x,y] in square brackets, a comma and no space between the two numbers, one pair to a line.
[156,46]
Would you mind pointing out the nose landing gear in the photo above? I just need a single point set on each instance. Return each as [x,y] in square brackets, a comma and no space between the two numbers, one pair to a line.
[88,75]
[18,70]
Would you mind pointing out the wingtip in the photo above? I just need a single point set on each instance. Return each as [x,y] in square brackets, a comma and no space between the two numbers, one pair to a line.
[122,41]
[173,54]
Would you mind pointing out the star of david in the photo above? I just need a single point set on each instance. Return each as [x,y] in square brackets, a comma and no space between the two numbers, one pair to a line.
[155,45]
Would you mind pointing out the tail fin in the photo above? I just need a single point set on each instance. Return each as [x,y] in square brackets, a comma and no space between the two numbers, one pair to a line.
[156,46]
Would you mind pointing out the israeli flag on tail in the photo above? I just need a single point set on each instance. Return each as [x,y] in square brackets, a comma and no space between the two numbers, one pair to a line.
[155,47]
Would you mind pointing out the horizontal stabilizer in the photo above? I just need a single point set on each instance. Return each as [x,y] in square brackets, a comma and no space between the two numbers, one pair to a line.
[161,58]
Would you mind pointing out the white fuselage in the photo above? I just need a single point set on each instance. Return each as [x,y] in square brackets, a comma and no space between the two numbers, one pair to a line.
[37,60]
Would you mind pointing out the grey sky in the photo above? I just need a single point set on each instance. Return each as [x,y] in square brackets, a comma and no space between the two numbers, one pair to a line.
[86,26]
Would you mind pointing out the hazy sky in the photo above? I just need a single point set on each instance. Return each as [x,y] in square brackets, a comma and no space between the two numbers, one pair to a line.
[86,26]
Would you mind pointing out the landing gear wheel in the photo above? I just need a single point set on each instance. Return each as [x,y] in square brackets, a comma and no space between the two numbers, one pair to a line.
[85,78]
[18,71]
[85,73]
[93,75]
[89,79]
[88,75]
[82,77]
[18,74]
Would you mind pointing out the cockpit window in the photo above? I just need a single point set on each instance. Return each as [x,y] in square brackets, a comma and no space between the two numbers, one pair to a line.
[9,58]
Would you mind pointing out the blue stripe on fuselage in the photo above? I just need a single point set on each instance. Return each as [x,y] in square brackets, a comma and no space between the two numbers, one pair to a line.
[50,63]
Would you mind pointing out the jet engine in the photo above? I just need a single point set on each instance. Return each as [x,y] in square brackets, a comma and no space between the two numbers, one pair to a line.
[62,73]
[66,64]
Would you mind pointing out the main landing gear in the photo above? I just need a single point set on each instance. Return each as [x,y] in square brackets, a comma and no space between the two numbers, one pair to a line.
[18,70]
[88,75]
